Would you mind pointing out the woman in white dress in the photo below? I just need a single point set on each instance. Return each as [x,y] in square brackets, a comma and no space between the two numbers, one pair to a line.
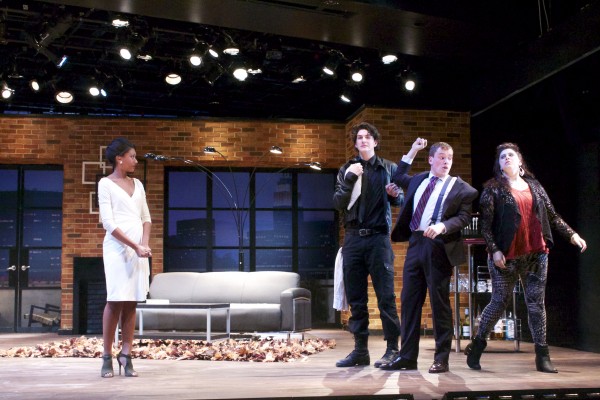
[126,219]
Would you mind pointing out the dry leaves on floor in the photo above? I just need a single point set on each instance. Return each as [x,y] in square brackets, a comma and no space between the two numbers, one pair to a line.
[263,350]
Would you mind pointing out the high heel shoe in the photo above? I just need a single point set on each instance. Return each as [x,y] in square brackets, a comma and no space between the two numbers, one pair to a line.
[107,366]
[127,365]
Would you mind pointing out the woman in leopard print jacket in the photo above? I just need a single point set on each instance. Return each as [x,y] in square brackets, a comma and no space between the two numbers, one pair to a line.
[516,217]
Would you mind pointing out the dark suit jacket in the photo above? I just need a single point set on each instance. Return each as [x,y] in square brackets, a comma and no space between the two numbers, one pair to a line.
[456,211]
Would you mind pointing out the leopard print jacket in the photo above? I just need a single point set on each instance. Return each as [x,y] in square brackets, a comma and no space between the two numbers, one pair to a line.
[500,215]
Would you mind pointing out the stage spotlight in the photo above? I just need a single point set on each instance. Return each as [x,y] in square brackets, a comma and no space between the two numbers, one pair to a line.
[356,72]
[299,79]
[240,73]
[120,22]
[213,52]
[232,51]
[276,150]
[62,61]
[173,78]
[239,70]
[230,47]
[97,89]
[198,53]
[64,96]
[297,74]
[7,92]
[315,165]
[214,71]
[131,45]
[332,62]
[347,94]
[408,79]
[389,58]
[34,85]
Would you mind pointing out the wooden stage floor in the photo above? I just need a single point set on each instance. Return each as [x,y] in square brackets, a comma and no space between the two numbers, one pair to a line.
[79,378]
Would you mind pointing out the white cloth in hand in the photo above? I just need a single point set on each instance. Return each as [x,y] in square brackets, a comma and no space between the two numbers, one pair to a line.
[355,191]
[340,302]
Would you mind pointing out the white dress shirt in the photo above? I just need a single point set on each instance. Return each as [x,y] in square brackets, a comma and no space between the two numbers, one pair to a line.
[430,206]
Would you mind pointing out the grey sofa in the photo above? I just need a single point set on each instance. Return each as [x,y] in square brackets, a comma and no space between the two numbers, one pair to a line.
[265,301]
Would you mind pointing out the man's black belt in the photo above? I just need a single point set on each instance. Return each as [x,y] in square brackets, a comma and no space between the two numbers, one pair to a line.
[364,232]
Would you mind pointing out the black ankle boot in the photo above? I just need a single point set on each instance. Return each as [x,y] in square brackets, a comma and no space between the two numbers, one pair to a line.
[473,351]
[542,360]
[390,353]
[358,356]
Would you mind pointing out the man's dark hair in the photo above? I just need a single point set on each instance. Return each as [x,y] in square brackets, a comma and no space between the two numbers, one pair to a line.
[369,128]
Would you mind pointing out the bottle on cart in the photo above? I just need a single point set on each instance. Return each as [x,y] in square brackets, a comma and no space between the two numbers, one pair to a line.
[477,320]
[499,330]
[466,325]
[510,327]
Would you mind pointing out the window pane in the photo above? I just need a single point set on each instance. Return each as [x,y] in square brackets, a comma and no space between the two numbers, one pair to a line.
[315,190]
[188,228]
[4,265]
[317,263]
[317,228]
[273,190]
[227,225]
[229,259]
[42,228]
[8,188]
[8,227]
[187,189]
[230,189]
[274,260]
[274,228]
[185,260]
[44,268]
[43,188]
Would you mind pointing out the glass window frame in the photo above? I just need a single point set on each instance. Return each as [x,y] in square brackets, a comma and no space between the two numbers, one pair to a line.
[249,214]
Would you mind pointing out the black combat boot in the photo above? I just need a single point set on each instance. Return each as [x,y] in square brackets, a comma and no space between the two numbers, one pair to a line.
[390,353]
[358,356]
[473,352]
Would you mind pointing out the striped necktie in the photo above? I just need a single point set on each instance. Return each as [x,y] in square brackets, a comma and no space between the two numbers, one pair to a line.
[418,213]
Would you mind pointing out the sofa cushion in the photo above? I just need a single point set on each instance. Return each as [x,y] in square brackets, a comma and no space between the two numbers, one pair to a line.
[266,286]
[177,287]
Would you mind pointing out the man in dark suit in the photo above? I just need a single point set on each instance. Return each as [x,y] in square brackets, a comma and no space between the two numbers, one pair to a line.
[437,206]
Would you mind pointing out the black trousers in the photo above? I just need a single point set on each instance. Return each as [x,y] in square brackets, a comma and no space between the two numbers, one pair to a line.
[363,256]
[426,268]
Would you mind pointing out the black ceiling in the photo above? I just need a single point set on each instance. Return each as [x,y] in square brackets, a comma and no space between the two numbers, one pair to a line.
[466,55]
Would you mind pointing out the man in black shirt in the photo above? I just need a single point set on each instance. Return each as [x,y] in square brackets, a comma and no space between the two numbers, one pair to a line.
[367,249]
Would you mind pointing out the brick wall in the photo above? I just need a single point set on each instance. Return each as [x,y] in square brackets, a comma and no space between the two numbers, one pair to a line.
[70,141]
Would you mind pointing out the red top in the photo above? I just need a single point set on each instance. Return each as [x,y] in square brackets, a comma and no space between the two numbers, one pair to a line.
[528,238]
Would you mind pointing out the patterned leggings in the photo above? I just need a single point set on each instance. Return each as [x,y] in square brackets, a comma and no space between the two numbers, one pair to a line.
[532,269]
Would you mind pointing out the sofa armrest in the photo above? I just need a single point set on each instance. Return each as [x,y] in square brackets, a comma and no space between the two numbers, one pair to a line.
[296,309]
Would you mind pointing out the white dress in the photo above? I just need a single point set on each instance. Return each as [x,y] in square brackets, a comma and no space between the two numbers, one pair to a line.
[127,275]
